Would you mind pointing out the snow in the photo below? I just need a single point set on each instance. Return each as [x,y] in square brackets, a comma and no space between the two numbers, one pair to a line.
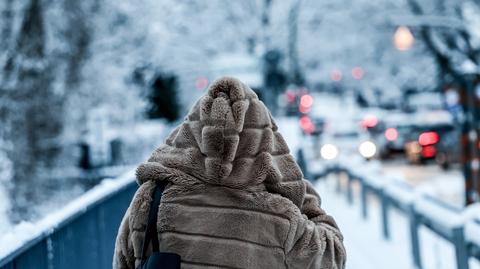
[472,231]
[4,207]
[375,180]
[448,187]
[472,226]
[426,100]
[243,66]
[367,249]
[397,119]
[401,192]
[26,231]
[6,172]
[288,127]
[470,13]
[432,117]
[469,67]
[364,244]
[445,216]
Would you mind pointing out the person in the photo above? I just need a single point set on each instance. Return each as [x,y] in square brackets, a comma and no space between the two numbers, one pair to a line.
[235,196]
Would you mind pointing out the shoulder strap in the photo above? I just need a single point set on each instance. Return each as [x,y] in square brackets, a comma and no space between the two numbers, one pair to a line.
[151,230]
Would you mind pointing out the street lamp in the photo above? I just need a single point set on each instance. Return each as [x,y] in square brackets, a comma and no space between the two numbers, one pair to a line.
[403,38]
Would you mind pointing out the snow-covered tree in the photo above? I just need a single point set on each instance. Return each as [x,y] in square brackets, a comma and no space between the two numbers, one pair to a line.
[31,107]
[454,41]
[64,60]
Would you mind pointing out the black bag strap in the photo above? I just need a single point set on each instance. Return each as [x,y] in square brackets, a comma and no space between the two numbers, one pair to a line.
[151,230]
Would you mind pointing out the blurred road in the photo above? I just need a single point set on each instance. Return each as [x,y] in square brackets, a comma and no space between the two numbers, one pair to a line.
[419,174]
[447,185]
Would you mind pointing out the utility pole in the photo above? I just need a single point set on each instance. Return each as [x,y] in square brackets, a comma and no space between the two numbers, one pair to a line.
[470,158]
[296,76]
[266,25]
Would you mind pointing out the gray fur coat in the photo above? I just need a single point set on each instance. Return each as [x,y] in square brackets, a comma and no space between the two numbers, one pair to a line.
[235,198]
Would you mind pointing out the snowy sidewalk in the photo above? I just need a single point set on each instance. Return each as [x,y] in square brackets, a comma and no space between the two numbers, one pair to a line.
[365,246]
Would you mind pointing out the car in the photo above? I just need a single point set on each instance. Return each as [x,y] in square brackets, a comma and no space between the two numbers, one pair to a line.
[291,101]
[394,136]
[438,142]
[393,139]
[312,125]
[389,132]
[346,139]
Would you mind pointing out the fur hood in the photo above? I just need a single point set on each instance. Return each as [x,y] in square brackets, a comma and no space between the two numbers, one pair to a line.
[228,138]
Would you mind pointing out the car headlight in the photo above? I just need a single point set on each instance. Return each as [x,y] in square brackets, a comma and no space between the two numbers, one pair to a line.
[329,152]
[367,149]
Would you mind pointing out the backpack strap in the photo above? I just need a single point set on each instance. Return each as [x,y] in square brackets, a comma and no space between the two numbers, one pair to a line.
[151,229]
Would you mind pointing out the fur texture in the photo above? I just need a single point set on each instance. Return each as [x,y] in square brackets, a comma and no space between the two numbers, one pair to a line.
[236,198]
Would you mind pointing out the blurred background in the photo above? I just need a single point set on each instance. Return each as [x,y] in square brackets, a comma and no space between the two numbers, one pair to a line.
[370,94]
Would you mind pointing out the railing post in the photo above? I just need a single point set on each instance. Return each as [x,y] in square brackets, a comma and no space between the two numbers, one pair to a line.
[363,197]
[460,245]
[384,211]
[349,189]
[415,244]
[338,187]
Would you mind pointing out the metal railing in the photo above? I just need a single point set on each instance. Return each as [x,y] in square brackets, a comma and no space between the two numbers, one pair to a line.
[420,209]
[84,237]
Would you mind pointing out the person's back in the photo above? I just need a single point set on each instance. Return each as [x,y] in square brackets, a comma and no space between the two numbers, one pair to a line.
[236,198]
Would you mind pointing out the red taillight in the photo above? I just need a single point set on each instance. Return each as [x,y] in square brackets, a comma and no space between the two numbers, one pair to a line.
[391,134]
[429,151]
[303,109]
[370,121]
[428,138]
[307,125]
[291,96]
[306,102]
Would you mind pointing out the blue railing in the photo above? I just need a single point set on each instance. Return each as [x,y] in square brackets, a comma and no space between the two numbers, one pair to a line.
[84,237]
[421,210]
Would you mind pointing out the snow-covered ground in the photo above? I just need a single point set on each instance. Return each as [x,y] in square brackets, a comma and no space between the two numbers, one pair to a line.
[448,186]
[363,238]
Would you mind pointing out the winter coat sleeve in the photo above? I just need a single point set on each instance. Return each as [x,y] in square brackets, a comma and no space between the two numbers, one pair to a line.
[315,241]
[123,257]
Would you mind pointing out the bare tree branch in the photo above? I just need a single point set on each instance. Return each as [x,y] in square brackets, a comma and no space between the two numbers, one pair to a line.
[446,64]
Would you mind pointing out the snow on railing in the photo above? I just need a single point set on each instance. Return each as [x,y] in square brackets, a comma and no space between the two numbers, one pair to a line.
[86,220]
[460,227]
[472,231]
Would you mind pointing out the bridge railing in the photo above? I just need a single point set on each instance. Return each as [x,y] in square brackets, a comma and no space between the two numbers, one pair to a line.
[448,222]
[80,235]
